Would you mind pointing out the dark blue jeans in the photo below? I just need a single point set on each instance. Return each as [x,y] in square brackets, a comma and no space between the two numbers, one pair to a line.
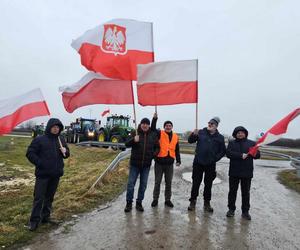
[134,172]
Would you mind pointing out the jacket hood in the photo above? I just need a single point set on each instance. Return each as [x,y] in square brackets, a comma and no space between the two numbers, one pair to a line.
[239,128]
[52,122]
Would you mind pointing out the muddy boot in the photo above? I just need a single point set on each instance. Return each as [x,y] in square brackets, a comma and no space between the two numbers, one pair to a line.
[230,213]
[139,206]
[154,203]
[192,205]
[33,225]
[128,207]
[246,216]
[207,207]
[169,203]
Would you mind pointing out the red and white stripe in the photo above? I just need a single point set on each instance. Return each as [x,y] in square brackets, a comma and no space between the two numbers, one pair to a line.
[165,83]
[276,132]
[18,109]
[139,49]
[95,88]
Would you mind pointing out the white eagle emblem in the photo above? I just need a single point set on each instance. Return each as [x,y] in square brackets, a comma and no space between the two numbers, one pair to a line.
[114,39]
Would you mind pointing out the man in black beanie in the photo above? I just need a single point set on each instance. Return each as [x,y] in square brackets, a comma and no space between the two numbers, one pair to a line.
[144,146]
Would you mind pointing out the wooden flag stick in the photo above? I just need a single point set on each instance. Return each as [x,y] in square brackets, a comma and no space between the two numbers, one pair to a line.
[61,146]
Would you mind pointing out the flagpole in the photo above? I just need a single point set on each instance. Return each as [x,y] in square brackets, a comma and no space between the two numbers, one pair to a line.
[153,61]
[197,96]
[133,104]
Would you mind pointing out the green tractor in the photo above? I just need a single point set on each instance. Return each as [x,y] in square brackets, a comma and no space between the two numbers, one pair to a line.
[81,130]
[38,130]
[116,129]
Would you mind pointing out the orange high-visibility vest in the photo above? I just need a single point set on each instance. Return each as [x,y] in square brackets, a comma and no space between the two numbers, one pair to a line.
[167,146]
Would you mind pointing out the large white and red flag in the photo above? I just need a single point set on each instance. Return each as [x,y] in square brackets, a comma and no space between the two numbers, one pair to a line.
[21,108]
[95,88]
[276,132]
[116,47]
[165,83]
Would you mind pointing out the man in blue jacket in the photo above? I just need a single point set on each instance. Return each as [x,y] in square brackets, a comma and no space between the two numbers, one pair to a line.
[210,148]
[240,170]
[46,152]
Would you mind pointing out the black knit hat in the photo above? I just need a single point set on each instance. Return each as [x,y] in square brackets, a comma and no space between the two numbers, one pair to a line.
[168,122]
[239,128]
[145,121]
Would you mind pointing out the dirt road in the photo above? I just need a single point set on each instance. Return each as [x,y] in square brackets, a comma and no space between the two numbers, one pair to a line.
[275,221]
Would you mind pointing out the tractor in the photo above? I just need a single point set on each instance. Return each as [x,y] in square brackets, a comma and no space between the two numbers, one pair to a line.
[38,130]
[115,130]
[81,130]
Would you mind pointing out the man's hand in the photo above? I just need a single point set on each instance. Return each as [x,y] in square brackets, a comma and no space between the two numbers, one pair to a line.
[137,138]
[63,150]
[244,156]
[195,132]
[177,164]
[155,115]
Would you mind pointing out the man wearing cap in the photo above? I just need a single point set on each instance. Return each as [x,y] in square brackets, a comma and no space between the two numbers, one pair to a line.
[169,151]
[240,170]
[210,148]
[145,147]
[46,152]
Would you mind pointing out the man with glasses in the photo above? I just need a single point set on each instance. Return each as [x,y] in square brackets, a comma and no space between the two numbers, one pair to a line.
[210,148]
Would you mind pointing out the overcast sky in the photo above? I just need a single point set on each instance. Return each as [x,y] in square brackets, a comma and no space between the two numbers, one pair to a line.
[248,52]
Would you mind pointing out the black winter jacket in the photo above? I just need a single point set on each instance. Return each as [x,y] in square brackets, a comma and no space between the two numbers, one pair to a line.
[210,147]
[45,154]
[145,150]
[237,166]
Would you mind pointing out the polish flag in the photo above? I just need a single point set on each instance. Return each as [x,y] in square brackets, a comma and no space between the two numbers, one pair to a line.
[96,89]
[276,132]
[105,112]
[21,108]
[165,83]
[115,48]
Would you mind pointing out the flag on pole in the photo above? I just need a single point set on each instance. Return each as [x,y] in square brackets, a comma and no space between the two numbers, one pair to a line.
[116,47]
[21,108]
[107,111]
[165,83]
[96,89]
[276,132]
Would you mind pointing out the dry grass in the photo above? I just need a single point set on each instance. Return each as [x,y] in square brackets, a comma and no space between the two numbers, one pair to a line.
[290,179]
[81,170]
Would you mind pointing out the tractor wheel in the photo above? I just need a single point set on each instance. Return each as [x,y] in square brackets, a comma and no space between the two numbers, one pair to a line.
[115,139]
[101,137]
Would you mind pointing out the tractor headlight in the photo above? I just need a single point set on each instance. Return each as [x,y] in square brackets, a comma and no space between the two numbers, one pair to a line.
[91,134]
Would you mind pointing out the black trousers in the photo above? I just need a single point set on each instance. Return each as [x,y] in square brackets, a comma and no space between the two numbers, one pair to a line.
[44,191]
[245,190]
[209,176]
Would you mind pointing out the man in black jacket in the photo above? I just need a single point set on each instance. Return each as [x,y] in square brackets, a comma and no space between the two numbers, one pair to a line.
[210,149]
[240,170]
[46,152]
[144,148]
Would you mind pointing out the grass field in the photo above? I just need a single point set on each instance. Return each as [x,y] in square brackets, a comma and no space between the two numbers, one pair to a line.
[81,171]
[290,179]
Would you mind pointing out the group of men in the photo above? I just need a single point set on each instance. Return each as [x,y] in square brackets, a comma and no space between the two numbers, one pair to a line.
[163,146]
[47,152]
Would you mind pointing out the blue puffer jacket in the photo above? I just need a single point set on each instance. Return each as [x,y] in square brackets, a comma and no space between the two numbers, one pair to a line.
[210,147]
[45,154]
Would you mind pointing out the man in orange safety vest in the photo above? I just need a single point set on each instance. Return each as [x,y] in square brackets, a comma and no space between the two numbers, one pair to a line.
[169,152]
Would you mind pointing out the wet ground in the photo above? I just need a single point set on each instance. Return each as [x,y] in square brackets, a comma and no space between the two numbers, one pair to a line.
[275,221]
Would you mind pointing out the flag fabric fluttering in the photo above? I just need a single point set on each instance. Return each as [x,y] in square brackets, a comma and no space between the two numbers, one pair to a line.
[95,88]
[106,111]
[276,132]
[166,83]
[116,47]
[21,108]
